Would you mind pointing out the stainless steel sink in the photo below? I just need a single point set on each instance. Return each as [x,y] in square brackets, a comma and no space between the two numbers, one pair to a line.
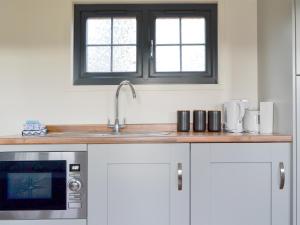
[110,134]
[141,133]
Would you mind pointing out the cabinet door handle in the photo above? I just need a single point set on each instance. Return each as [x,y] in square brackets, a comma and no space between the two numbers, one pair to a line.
[282,175]
[179,176]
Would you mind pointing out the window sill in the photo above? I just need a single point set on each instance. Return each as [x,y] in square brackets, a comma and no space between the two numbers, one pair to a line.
[151,88]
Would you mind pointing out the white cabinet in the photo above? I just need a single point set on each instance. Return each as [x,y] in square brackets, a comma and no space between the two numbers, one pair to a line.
[231,184]
[138,184]
[239,184]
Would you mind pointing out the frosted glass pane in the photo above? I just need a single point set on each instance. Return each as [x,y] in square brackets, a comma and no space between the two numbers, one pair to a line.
[193,30]
[167,31]
[193,58]
[124,31]
[98,59]
[99,31]
[167,59]
[124,59]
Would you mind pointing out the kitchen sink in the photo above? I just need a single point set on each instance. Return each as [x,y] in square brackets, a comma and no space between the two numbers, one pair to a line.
[110,134]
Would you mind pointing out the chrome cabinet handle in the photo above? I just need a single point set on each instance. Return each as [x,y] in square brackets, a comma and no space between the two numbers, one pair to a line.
[179,176]
[282,175]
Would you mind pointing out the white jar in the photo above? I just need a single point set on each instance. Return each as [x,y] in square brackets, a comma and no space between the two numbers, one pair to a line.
[251,121]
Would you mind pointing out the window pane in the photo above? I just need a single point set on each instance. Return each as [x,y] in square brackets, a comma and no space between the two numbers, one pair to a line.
[98,31]
[124,31]
[124,59]
[167,31]
[98,59]
[167,58]
[193,58]
[193,30]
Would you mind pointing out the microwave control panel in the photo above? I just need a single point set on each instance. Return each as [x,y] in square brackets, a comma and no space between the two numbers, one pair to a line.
[75,187]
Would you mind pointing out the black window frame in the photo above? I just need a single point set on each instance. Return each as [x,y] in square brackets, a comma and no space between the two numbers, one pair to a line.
[145,14]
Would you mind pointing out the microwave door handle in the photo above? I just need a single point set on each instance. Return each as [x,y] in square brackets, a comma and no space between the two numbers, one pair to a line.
[225,115]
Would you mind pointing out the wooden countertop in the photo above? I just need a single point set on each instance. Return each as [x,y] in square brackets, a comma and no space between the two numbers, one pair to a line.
[159,133]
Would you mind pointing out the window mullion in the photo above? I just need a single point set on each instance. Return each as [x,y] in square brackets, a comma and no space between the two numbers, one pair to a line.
[180,44]
[111,44]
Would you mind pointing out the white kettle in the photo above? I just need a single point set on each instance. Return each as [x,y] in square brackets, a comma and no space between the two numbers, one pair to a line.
[234,112]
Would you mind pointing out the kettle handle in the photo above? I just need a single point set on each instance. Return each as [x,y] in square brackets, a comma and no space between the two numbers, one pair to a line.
[241,113]
[225,115]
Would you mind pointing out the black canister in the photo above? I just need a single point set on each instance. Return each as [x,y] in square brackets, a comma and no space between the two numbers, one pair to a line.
[214,121]
[183,121]
[199,118]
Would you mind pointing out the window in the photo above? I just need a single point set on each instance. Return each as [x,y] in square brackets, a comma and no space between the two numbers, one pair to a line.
[170,43]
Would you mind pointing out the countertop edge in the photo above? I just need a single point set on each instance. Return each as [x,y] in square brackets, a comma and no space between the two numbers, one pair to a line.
[128,140]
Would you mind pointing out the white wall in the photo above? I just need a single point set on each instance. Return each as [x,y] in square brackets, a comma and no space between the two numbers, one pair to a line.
[36,69]
[275,57]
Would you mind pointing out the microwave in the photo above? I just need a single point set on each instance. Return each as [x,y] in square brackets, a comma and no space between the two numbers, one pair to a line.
[43,185]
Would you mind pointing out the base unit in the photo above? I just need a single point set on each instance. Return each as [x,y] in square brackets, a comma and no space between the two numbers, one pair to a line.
[240,184]
[138,184]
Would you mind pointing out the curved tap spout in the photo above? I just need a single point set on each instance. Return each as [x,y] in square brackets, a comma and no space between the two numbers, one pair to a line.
[117,126]
[123,83]
[126,82]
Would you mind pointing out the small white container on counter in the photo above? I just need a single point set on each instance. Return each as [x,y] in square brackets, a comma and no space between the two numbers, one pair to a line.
[266,117]
[251,121]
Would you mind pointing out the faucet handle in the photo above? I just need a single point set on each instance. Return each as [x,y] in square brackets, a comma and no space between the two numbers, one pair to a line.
[109,125]
[123,124]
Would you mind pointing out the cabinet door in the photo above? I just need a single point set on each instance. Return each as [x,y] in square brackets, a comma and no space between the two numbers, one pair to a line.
[239,184]
[138,184]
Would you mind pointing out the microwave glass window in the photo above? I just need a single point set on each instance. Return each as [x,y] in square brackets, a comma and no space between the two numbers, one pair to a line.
[29,185]
[33,185]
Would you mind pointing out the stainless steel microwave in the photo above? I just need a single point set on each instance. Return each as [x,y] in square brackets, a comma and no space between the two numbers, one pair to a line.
[43,185]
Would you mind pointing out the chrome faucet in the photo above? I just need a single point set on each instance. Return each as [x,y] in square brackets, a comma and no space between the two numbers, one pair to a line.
[117,126]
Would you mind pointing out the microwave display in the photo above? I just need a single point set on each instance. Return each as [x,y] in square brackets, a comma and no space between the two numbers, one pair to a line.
[74,167]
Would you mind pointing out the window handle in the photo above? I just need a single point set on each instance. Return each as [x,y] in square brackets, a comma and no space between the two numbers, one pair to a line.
[151,49]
